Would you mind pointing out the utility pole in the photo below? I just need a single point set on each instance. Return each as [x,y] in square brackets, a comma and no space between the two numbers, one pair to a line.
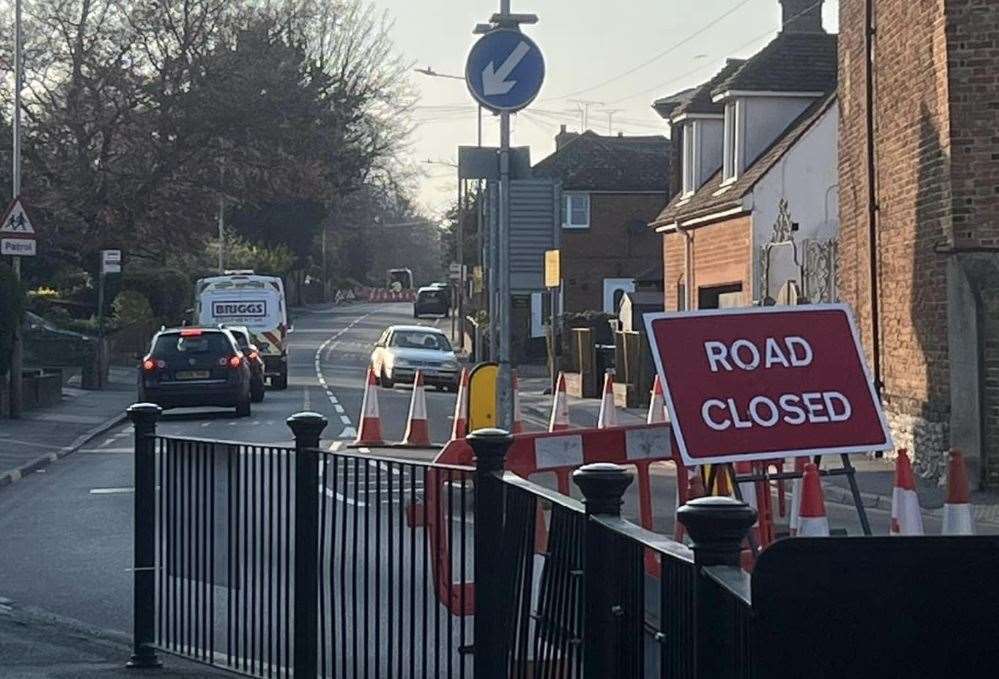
[16,353]
[221,217]
[610,119]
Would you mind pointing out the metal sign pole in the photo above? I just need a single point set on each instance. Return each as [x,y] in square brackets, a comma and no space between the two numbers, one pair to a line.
[504,383]
[16,353]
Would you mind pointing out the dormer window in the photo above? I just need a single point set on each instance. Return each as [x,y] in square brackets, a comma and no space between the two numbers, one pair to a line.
[732,156]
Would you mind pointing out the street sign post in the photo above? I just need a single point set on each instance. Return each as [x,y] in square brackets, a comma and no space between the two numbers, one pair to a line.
[504,73]
[765,383]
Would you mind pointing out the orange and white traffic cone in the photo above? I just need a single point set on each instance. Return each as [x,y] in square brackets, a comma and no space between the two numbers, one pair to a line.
[518,418]
[906,519]
[459,428]
[812,521]
[957,509]
[794,512]
[559,420]
[657,406]
[417,430]
[608,411]
[369,433]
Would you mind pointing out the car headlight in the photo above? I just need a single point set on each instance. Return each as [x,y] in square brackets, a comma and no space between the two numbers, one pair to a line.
[400,363]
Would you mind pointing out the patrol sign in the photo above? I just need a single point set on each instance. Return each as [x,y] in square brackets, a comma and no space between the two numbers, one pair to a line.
[505,70]
[766,382]
[17,234]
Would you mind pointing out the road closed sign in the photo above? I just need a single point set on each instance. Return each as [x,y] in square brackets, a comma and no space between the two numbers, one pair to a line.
[766,382]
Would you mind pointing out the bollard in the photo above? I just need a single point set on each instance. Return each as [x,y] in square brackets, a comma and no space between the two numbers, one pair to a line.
[603,485]
[490,447]
[144,417]
[307,428]
[717,527]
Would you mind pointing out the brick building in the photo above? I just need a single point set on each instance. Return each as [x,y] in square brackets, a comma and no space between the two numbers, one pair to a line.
[755,172]
[933,211]
[612,186]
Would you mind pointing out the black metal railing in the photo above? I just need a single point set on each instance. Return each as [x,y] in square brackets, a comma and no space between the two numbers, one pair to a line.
[224,564]
[395,548]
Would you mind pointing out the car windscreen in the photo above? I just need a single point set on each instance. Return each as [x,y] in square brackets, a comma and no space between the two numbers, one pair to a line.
[417,339]
[174,345]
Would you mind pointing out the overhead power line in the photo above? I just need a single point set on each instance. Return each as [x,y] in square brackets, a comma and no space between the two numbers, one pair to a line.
[651,60]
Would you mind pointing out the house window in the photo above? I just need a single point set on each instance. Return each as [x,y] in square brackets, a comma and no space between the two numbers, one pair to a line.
[720,296]
[733,138]
[689,158]
[576,213]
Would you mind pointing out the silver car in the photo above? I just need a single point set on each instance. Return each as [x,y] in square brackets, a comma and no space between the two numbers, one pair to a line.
[404,349]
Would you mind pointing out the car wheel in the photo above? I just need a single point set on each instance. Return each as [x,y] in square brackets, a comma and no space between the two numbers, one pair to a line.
[243,408]
[385,381]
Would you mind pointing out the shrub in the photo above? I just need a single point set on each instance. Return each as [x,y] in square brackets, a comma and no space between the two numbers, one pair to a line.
[168,291]
[130,308]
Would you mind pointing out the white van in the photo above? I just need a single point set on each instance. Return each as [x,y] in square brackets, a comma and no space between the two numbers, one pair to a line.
[257,302]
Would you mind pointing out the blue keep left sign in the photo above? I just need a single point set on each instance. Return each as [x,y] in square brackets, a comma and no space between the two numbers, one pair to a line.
[505,70]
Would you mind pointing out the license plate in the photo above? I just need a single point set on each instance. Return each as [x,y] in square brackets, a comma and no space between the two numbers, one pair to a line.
[193,374]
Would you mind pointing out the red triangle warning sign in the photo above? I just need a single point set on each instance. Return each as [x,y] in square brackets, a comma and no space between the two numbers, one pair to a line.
[16,221]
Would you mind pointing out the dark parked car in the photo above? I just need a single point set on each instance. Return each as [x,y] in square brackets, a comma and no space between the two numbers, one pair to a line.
[191,367]
[431,300]
[257,372]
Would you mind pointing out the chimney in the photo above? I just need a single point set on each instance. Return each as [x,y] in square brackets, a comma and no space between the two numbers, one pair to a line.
[564,137]
[801,16]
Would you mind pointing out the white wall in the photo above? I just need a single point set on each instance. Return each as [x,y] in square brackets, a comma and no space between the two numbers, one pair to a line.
[712,142]
[807,177]
[763,119]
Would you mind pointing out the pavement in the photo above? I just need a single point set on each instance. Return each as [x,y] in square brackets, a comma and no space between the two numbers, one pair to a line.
[37,644]
[42,436]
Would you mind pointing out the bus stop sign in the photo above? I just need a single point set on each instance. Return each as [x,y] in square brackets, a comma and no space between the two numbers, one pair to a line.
[766,382]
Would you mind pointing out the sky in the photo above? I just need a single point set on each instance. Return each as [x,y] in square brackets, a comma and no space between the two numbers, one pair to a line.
[621,55]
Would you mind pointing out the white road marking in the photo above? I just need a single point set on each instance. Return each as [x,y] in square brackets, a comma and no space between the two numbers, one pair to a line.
[119,449]
[205,424]
[111,491]
[328,346]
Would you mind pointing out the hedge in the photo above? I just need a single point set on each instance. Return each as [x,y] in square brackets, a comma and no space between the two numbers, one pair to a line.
[11,313]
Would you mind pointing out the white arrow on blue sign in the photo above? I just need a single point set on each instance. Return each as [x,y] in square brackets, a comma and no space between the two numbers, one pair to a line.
[505,70]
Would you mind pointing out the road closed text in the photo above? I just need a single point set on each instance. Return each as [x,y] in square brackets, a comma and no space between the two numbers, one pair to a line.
[722,413]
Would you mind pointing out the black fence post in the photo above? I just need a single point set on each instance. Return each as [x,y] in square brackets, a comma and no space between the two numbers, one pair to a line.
[603,485]
[491,632]
[144,417]
[307,428]
[717,527]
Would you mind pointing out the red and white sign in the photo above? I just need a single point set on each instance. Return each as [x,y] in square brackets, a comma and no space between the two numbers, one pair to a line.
[766,382]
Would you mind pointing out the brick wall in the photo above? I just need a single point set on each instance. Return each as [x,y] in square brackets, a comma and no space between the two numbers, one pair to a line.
[721,256]
[609,248]
[937,113]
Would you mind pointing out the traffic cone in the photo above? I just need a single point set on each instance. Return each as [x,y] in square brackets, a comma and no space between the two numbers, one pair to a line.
[459,428]
[957,509]
[559,420]
[369,433]
[906,518]
[518,418]
[417,431]
[657,406]
[812,521]
[608,411]
[794,512]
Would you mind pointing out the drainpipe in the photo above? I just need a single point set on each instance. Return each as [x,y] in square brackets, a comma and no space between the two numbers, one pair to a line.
[688,267]
[872,199]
